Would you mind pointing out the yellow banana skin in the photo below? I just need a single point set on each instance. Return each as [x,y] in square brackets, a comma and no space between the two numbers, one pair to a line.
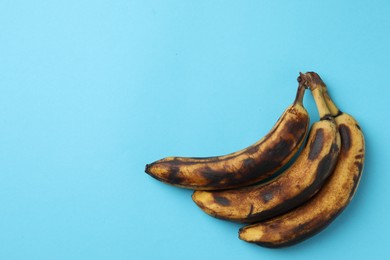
[290,189]
[313,216]
[247,166]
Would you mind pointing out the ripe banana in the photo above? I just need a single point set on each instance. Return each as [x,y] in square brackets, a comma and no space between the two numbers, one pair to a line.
[292,188]
[247,166]
[313,216]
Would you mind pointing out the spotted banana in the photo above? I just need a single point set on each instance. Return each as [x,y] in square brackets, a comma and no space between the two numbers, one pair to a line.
[247,166]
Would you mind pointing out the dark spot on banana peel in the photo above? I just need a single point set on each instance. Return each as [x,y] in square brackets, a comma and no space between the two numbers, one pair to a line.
[358,127]
[212,178]
[359,165]
[249,172]
[282,148]
[345,134]
[253,149]
[249,163]
[274,225]
[267,196]
[222,200]
[269,192]
[174,176]
[300,228]
[296,125]
[359,156]
[250,210]
[356,179]
[267,244]
[267,166]
[292,127]
[335,148]
[304,227]
[326,165]
[351,187]
[317,144]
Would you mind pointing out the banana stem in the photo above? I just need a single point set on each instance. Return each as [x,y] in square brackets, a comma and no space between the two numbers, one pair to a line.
[334,110]
[300,94]
[316,85]
[323,109]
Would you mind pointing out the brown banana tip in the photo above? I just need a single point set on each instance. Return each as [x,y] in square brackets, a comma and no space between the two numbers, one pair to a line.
[195,199]
[193,195]
[240,231]
[147,168]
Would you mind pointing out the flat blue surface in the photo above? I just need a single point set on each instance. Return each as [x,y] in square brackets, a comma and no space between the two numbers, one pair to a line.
[91,91]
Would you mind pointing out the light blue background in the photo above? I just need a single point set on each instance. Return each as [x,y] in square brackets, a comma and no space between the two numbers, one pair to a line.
[91,91]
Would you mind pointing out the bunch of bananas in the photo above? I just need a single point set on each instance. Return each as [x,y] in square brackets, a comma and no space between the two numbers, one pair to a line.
[282,205]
